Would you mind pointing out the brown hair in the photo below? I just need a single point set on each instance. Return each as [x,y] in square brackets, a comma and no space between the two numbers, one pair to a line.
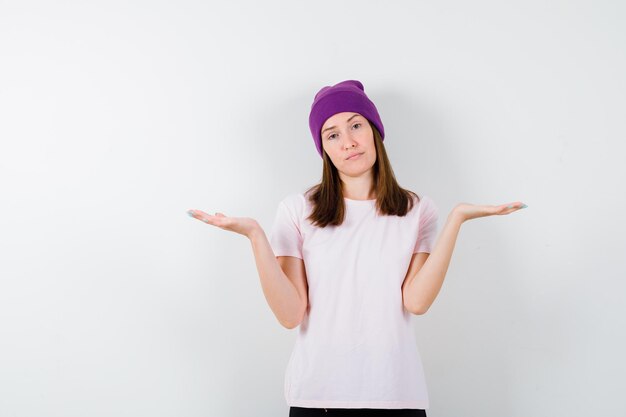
[327,196]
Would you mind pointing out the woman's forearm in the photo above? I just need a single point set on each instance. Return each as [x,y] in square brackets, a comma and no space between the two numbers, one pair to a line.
[280,293]
[423,287]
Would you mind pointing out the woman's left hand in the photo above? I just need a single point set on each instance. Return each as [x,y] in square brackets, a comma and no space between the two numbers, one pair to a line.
[467,211]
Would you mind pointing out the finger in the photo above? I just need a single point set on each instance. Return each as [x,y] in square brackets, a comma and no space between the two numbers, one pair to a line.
[515,205]
[210,219]
[200,215]
[196,213]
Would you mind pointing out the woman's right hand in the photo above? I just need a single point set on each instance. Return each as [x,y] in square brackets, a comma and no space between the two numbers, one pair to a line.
[242,225]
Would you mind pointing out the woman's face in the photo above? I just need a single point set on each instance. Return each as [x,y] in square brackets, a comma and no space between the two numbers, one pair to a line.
[346,134]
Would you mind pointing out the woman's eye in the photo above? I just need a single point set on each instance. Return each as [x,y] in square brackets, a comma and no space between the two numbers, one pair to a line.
[334,134]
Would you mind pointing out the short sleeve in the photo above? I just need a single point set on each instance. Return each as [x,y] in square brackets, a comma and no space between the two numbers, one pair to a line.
[427,231]
[285,236]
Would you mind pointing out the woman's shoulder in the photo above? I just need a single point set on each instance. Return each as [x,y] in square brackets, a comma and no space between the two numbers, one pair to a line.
[294,200]
[423,203]
[417,198]
[420,198]
[427,205]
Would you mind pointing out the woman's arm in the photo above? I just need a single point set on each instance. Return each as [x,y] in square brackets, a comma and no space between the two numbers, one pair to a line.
[420,289]
[280,292]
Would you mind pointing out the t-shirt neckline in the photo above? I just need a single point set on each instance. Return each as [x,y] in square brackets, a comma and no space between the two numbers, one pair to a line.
[350,200]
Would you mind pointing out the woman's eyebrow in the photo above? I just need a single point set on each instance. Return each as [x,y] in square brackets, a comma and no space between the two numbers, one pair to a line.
[332,127]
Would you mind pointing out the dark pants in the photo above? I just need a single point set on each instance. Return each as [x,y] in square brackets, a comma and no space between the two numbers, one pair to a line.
[355,412]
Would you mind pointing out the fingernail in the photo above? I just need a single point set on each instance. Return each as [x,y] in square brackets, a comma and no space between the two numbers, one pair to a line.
[524,206]
[190,213]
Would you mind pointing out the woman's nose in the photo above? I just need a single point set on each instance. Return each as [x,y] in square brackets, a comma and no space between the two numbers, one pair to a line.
[350,142]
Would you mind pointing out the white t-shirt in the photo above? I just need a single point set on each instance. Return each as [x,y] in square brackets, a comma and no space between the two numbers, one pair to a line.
[355,347]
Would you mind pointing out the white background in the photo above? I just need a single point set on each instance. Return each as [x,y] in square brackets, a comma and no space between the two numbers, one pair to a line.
[116,117]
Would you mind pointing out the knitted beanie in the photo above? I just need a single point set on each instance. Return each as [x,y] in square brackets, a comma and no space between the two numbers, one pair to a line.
[345,96]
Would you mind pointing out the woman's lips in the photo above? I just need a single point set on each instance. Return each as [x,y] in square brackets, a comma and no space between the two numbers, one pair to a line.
[354,156]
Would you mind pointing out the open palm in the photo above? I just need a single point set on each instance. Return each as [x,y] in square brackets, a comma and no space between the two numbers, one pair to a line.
[241,225]
[472,211]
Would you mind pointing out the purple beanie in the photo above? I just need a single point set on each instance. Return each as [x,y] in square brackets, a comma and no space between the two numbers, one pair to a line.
[347,95]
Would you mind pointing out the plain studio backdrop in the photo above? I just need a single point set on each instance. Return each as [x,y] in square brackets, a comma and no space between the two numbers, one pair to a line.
[116,117]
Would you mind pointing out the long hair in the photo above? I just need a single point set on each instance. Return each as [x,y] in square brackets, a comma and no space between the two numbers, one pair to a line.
[327,196]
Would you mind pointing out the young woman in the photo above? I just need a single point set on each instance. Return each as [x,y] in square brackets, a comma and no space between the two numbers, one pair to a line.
[348,262]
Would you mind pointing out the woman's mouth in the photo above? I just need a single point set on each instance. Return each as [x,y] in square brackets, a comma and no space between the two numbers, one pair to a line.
[354,156]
